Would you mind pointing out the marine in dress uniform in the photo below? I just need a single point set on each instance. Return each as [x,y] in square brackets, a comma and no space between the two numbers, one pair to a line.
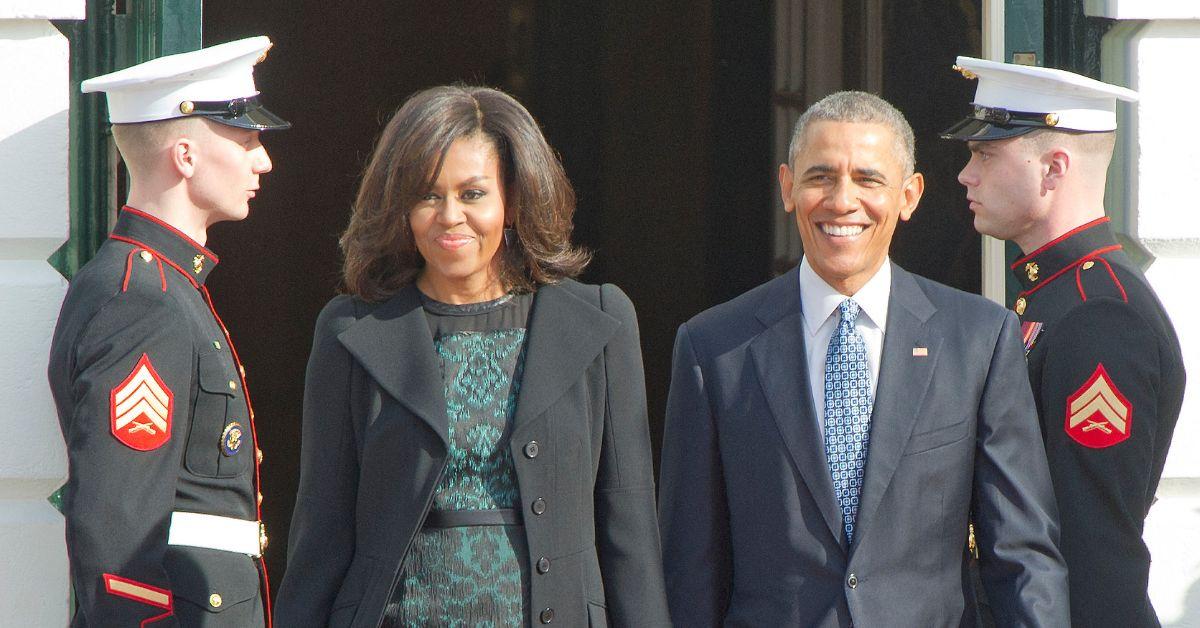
[1103,357]
[163,502]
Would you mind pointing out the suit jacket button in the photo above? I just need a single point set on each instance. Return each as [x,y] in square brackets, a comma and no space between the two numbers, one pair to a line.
[547,615]
[532,449]
[543,565]
[539,506]
[852,581]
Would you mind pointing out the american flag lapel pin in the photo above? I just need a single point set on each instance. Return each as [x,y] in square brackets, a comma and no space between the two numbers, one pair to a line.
[920,352]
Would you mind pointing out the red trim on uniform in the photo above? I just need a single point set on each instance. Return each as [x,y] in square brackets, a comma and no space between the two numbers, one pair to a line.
[254,438]
[157,254]
[158,221]
[128,271]
[1111,274]
[1108,267]
[147,622]
[1093,254]
[110,579]
[1060,238]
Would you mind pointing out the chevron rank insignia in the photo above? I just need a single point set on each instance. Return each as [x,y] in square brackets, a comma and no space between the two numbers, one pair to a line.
[140,408]
[1098,415]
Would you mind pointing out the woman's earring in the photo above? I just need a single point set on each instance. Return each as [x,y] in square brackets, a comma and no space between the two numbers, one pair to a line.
[510,237]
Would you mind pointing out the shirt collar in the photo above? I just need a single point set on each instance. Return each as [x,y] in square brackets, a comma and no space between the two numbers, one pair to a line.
[166,242]
[1064,252]
[818,299]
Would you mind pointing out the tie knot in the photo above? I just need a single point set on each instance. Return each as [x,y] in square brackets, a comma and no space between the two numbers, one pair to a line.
[849,309]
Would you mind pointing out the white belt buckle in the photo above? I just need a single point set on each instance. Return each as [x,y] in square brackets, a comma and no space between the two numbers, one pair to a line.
[215,532]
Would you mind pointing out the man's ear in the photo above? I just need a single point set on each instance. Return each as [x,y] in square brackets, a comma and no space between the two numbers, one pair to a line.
[785,188]
[1056,162]
[914,187]
[183,157]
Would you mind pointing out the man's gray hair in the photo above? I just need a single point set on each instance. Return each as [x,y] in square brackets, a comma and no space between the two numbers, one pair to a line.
[859,107]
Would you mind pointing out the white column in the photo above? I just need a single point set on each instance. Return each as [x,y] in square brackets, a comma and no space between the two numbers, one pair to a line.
[34,214]
[1155,49]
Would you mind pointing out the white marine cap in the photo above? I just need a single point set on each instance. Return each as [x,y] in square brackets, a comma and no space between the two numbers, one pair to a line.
[1012,100]
[215,82]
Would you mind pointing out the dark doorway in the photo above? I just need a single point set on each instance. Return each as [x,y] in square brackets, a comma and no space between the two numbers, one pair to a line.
[661,112]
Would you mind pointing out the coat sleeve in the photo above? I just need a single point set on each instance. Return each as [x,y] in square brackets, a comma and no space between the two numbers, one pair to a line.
[131,388]
[694,511]
[1101,387]
[627,541]
[321,539]
[1016,515]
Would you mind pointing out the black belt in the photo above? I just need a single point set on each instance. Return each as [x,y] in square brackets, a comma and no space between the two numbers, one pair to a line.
[464,518]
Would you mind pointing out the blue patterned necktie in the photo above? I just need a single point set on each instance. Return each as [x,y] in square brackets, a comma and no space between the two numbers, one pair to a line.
[847,413]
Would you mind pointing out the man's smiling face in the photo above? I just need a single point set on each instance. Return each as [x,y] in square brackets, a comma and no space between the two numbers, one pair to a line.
[848,190]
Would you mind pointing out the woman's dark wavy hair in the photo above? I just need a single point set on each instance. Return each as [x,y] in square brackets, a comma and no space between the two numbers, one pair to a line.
[380,254]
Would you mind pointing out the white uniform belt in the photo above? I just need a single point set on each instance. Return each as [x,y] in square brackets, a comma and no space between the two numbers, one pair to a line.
[214,532]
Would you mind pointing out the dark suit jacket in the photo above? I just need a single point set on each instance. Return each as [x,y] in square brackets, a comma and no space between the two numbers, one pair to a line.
[751,529]
[375,431]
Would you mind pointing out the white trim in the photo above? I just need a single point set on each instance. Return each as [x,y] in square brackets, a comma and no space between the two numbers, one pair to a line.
[214,532]
[992,271]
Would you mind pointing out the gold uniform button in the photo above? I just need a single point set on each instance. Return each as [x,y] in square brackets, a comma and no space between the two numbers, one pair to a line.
[186,107]
[146,256]
[1020,306]
[258,455]
[260,499]
[1088,265]
[1052,119]
[214,600]
[232,385]
[216,345]
[242,370]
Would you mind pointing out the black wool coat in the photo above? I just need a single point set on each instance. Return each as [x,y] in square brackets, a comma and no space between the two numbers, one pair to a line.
[375,443]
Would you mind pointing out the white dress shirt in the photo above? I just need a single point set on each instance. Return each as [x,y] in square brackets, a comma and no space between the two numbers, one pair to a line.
[820,308]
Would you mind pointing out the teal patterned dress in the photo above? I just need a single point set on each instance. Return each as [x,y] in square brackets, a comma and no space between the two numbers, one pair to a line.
[473,576]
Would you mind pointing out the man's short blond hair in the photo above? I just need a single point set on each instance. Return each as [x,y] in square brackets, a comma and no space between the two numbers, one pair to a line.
[1097,146]
[143,142]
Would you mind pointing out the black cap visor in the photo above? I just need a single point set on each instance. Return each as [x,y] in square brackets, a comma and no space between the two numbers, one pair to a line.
[975,130]
[244,113]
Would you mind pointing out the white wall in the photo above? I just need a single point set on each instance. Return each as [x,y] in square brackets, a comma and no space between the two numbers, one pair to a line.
[34,589]
[1152,195]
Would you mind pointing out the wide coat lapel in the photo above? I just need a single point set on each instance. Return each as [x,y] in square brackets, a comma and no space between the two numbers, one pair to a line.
[903,382]
[780,361]
[394,345]
[565,335]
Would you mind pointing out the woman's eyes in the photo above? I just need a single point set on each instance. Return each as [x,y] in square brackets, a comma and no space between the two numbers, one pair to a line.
[466,195]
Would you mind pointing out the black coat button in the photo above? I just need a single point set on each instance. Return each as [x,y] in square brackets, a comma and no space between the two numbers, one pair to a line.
[532,449]
[547,615]
[543,565]
[539,506]
[852,581]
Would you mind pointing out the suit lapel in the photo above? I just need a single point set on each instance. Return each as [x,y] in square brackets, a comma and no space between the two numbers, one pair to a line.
[565,335]
[393,343]
[780,361]
[903,382]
